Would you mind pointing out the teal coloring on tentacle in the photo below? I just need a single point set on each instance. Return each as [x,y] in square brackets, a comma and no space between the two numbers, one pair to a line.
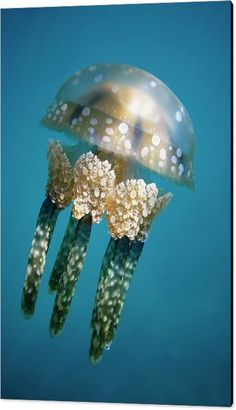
[106,262]
[44,229]
[69,278]
[58,195]
[135,251]
[62,257]
[104,314]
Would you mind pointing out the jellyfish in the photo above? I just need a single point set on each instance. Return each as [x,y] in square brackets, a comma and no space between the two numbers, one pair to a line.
[128,127]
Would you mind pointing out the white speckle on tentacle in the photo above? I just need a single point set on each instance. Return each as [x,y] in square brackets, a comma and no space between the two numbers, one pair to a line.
[86,111]
[172,168]
[181,169]
[173,159]
[179,152]
[123,128]
[161,164]
[93,121]
[178,116]
[91,130]
[64,107]
[74,121]
[144,152]
[109,121]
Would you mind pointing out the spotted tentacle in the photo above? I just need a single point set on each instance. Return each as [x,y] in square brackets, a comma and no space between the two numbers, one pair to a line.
[70,275]
[44,229]
[59,191]
[130,212]
[135,251]
[62,257]
[105,313]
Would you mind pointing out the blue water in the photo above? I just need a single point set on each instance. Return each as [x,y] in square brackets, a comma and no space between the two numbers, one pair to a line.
[173,342]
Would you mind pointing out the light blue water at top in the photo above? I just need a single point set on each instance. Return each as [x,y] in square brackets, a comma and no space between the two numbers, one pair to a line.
[173,342]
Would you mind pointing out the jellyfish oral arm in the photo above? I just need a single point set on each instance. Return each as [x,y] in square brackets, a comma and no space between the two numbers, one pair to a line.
[59,194]
[44,229]
[63,254]
[70,275]
[130,212]
[93,181]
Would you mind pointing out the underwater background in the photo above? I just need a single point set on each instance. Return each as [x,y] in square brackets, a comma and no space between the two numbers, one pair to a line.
[173,342]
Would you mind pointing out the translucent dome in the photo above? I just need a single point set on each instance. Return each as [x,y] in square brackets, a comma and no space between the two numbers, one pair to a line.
[129,112]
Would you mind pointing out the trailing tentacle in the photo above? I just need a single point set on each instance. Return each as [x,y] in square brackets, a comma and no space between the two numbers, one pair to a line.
[135,251]
[59,193]
[130,212]
[108,290]
[44,229]
[62,257]
[94,180]
[70,275]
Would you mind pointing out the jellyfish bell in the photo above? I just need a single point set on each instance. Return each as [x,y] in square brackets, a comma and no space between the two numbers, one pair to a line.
[126,118]
[129,112]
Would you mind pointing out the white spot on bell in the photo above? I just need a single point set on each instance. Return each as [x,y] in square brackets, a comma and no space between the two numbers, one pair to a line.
[163,153]
[92,68]
[109,131]
[153,84]
[115,88]
[156,140]
[106,139]
[178,116]
[98,78]
[123,128]
[127,144]
[144,152]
